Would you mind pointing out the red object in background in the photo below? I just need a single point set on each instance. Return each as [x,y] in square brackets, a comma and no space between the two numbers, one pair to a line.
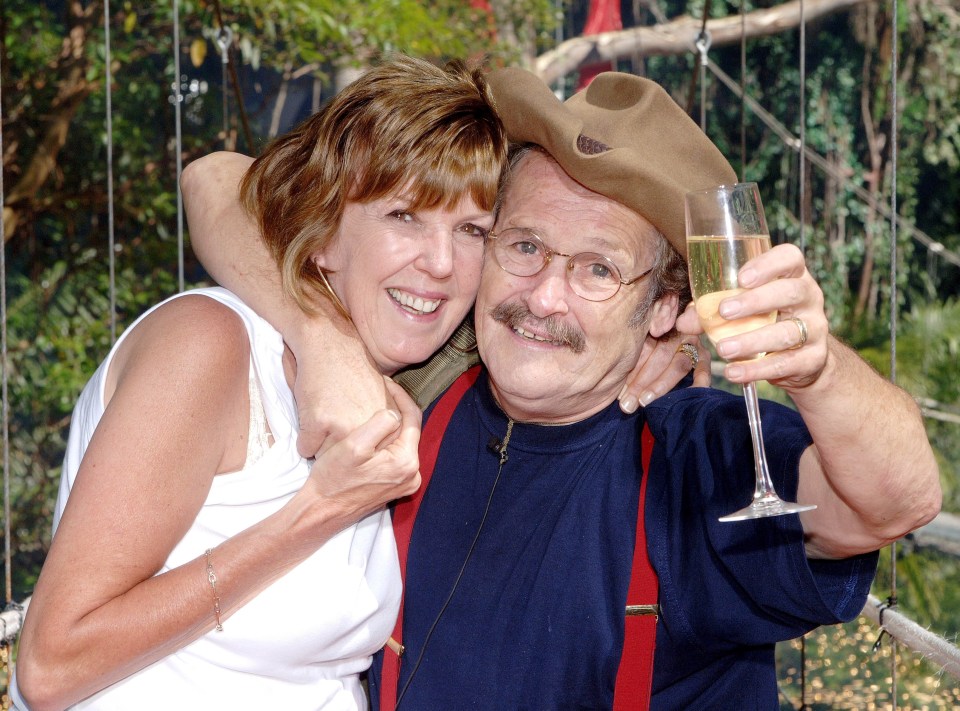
[604,16]
[484,9]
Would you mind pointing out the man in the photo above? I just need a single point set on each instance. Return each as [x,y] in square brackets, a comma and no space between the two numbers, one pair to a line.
[520,559]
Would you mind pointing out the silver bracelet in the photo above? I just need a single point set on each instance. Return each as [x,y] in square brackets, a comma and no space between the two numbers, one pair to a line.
[212,578]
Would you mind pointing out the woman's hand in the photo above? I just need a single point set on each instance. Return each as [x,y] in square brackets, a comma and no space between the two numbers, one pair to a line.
[373,465]
[663,363]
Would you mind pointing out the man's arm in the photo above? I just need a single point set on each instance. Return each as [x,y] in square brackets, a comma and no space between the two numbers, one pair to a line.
[227,242]
[871,471]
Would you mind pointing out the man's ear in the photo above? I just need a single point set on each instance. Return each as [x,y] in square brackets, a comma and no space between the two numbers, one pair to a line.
[663,314]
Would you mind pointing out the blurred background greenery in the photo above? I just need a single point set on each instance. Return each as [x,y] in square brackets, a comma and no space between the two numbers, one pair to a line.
[286,57]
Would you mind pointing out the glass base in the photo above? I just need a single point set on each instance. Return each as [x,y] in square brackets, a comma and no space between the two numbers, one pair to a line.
[767,506]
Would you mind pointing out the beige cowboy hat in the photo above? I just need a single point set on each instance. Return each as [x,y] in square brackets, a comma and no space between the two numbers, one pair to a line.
[623,137]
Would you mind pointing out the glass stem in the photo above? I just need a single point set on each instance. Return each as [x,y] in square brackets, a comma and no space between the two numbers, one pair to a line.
[764,486]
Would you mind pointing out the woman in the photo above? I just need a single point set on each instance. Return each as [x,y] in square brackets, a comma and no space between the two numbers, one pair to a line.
[197,558]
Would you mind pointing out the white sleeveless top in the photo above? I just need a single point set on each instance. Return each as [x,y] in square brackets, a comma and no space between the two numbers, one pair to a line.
[302,642]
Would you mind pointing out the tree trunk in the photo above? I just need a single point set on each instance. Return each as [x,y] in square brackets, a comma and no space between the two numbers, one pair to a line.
[876,141]
[678,36]
[281,101]
[73,88]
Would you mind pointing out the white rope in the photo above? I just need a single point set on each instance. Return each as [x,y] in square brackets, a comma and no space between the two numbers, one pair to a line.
[179,139]
[935,413]
[941,534]
[919,639]
[11,620]
[111,256]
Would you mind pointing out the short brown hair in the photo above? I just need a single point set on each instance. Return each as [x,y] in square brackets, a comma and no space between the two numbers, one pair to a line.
[406,121]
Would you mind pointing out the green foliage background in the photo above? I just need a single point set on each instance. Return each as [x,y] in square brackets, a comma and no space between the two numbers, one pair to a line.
[60,315]
[60,310]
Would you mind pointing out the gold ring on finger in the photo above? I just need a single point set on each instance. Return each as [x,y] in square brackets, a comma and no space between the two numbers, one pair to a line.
[802,327]
[690,351]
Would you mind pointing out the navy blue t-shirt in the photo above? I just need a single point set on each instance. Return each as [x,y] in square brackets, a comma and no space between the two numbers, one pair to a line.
[536,618]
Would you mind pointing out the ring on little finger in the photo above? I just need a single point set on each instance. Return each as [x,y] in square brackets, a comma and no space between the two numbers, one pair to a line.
[802,327]
[690,351]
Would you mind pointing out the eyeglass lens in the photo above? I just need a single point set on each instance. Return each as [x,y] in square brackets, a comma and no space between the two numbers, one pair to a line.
[592,276]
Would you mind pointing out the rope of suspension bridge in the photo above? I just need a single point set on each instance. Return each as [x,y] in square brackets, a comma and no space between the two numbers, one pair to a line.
[794,143]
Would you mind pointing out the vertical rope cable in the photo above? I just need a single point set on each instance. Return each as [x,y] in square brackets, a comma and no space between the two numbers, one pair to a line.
[701,44]
[226,98]
[224,40]
[558,86]
[803,222]
[111,256]
[894,68]
[803,673]
[4,397]
[703,47]
[703,92]
[237,93]
[803,129]
[179,141]
[5,648]
[802,193]
[743,93]
[894,110]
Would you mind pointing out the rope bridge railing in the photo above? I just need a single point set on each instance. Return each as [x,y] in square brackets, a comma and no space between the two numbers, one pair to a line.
[914,637]
[933,647]
[11,621]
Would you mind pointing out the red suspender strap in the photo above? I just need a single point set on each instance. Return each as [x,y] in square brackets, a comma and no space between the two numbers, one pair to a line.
[405,512]
[635,675]
[633,679]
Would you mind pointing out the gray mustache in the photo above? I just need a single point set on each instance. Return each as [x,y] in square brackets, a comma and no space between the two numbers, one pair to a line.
[514,315]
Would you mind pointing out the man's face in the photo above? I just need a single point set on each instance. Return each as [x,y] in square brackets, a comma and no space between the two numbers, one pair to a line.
[552,355]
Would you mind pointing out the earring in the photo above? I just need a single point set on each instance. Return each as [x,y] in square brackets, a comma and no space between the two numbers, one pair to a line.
[331,293]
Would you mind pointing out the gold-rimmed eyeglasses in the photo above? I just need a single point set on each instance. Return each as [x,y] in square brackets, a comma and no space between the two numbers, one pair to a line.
[592,276]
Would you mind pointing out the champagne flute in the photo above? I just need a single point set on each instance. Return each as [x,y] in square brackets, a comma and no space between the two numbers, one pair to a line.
[726,228]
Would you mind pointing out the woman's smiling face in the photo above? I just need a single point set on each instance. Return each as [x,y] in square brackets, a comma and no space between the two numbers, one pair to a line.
[406,276]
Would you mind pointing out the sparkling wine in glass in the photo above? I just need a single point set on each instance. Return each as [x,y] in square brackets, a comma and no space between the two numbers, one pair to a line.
[726,228]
